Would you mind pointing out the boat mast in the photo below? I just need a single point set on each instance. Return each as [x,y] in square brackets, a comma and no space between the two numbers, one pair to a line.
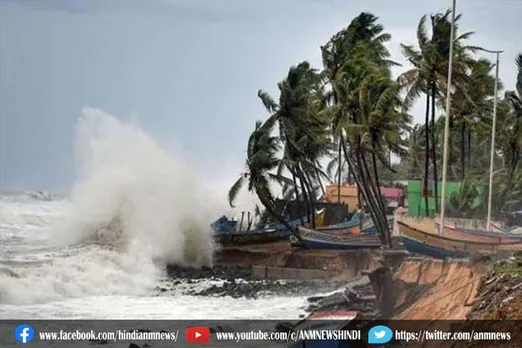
[492,156]
[446,123]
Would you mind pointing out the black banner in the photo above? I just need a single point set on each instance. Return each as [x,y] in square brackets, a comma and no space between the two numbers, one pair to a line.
[259,333]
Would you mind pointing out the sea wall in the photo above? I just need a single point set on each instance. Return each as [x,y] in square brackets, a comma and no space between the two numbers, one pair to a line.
[280,261]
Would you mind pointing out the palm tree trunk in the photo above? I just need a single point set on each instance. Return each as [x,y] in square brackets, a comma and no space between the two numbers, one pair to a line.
[375,193]
[427,154]
[241,222]
[311,194]
[305,194]
[339,168]
[463,150]
[363,181]
[319,179]
[249,221]
[298,201]
[434,145]
[381,201]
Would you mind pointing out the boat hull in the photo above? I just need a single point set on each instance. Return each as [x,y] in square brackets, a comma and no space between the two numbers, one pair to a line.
[479,236]
[414,246]
[315,239]
[250,237]
[368,228]
[417,241]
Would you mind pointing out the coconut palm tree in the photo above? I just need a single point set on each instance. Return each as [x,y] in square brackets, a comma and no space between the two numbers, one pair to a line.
[261,161]
[364,30]
[513,125]
[428,76]
[302,129]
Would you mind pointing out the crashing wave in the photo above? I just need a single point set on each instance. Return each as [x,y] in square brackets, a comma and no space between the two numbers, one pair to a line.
[40,195]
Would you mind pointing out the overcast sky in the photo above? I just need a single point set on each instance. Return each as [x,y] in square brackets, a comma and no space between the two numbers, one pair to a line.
[189,72]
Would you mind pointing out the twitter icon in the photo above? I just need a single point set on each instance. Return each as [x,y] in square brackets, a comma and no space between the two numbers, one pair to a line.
[379,334]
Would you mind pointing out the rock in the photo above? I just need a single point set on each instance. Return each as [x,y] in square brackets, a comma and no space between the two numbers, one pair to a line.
[284,327]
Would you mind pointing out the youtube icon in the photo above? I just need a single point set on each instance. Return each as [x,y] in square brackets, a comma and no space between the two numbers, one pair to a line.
[197,335]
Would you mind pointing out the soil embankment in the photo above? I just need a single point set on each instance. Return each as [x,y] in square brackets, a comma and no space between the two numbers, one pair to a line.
[411,288]
[434,289]
[341,264]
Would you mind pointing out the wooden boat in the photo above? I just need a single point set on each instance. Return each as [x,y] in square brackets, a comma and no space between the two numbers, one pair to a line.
[250,237]
[368,227]
[417,241]
[327,320]
[479,235]
[315,239]
[353,222]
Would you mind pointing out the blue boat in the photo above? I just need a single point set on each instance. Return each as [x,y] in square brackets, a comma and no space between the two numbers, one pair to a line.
[315,239]
[281,227]
[332,320]
[353,222]
[224,225]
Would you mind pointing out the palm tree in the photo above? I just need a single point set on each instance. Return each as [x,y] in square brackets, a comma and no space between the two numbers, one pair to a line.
[302,129]
[473,104]
[428,76]
[513,131]
[349,58]
[508,180]
[364,30]
[260,162]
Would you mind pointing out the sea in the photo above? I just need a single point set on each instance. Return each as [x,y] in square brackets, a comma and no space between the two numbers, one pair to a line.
[100,251]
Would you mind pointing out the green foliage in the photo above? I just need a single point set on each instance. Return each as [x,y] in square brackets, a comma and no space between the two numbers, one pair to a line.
[354,114]
[467,202]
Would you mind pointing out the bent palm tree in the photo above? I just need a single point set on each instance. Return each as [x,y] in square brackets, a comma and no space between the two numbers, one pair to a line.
[261,159]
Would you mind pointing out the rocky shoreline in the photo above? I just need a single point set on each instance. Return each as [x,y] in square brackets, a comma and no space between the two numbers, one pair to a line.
[236,282]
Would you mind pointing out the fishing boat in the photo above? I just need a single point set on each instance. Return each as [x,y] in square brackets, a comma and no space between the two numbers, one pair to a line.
[251,237]
[224,225]
[481,236]
[327,320]
[353,222]
[368,227]
[281,227]
[315,239]
[422,242]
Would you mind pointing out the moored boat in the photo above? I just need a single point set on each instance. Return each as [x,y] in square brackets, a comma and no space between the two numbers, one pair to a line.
[315,239]
[422,242]
[368,227]
[479,235]
[345,227]
[250,237]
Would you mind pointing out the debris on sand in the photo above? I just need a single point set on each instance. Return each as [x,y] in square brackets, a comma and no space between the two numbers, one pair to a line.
[498,305]
[357,295]
[499,291]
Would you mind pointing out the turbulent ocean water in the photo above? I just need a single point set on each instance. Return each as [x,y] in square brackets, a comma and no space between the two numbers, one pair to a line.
[101,251]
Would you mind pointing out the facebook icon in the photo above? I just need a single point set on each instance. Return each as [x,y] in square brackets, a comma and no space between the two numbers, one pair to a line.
[24,333]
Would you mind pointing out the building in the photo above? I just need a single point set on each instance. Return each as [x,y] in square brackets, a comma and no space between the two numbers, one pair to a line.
[348,195]
[394,196]
[415,195]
